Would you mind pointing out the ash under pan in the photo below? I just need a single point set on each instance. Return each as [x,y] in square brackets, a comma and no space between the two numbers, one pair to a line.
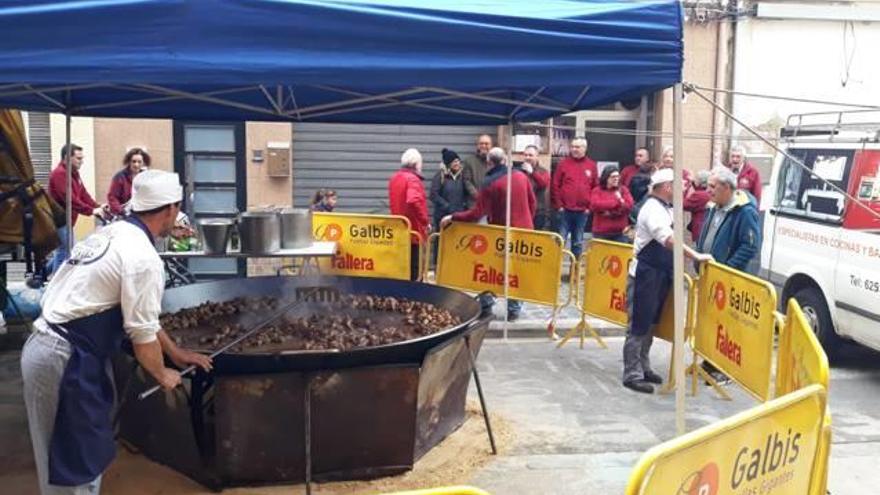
[268,416]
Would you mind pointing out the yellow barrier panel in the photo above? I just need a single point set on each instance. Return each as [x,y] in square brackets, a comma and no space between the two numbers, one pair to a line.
[606,265]
[734,327]
[368,245]
[769,449]
[801,361]
[449,490]
[471,257]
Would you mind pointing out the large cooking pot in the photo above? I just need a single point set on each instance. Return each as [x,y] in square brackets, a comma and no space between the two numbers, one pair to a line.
[296,228]
[292,416]
[259,232]
[466,308]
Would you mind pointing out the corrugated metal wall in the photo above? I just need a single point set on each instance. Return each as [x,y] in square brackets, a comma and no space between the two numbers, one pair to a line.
[357,160]
[39,144]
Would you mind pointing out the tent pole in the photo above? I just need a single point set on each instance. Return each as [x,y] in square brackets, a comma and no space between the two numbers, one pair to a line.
[678,256]
[68,198]
[507,226]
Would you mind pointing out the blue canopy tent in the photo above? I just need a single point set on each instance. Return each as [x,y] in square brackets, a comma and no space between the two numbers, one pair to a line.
[354,61]
[406,61]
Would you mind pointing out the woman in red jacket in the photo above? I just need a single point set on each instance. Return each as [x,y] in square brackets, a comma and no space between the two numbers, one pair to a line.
[120,187]
[696,201]
[610,204]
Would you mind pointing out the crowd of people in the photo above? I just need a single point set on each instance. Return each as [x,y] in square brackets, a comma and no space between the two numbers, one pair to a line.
[629,205]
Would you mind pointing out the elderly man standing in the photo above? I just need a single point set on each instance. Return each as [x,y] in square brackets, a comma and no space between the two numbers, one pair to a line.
[640,171]
[573,180]
[476,165]
[539,178]
[406,195]
[492,202]
[731,231]
[110,289]
[747,175]
[649,281]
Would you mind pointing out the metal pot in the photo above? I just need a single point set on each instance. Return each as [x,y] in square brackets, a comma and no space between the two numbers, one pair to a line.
[296,228]
[260,232]
[215,234]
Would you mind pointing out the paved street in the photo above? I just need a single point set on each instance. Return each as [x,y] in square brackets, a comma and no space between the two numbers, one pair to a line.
[575,429]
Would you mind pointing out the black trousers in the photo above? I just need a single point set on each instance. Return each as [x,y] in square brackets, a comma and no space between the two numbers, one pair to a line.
[414,261]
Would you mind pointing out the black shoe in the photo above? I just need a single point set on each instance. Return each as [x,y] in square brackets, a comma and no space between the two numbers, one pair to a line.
[652,377]
[639,386]
[719,378]
[511,316]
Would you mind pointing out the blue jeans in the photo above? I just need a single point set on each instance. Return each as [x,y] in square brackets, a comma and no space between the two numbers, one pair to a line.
[487,301]
[573,222]
[61,252]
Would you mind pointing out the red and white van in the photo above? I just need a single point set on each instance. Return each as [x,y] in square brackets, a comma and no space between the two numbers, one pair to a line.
[820,246]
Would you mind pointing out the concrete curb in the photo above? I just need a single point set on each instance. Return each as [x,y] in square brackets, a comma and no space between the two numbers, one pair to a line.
[538,328]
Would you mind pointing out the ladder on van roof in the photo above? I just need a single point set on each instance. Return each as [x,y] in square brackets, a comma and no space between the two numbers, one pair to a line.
[849,124]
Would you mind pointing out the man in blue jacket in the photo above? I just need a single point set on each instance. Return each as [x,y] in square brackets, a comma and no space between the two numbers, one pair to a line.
[731,231]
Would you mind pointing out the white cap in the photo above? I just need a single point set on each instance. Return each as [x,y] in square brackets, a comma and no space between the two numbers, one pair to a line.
[153,189]
[661,176]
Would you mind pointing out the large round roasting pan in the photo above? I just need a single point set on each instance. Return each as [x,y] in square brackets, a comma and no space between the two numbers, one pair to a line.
[410,351]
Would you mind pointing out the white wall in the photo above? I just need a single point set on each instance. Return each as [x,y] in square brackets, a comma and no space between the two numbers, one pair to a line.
[804,59]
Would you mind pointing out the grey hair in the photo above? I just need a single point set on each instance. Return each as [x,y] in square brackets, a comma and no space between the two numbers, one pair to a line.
[668,149]
[725,175]
[738,149]
[497,156]
[410,158]
[580,140]
[702,177]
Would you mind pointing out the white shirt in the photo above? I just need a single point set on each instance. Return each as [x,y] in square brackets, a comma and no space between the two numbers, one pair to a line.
[654,223]
[114,266]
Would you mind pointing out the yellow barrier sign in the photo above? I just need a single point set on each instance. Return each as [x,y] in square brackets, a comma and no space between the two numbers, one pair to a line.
[666,326]
[471,257]
[800,361]
[606,264]
[734,325]
[767,450]
[368,245]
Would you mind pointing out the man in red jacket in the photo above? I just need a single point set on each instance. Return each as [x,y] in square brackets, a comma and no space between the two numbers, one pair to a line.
[81,201]
[748,177]
[539,178]
[492,202]
[573,180]
[406,195]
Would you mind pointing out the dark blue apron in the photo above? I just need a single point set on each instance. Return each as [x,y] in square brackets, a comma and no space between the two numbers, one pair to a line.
[652,282]
[82,444]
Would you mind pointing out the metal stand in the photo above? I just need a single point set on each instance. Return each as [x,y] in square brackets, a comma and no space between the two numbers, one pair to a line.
[178,273]
[307,420]
[467,343]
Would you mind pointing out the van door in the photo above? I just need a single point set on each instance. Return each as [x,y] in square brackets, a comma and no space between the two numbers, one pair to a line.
[857,297]
[803,229]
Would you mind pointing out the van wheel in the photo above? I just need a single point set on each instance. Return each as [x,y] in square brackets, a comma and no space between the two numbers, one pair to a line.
[813,305]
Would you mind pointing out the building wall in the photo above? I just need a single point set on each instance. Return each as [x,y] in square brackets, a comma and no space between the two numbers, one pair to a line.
[263,190]
[700,67]
[823,60]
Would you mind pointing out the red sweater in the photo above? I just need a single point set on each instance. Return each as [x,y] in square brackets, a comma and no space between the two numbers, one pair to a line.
[406,195]
[81,201]
[120,191]
[749,179]
[696,203]
[572,183]
[610,212]
[492,200]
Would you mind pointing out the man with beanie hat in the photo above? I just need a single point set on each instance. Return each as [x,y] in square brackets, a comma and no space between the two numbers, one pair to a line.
[449,193]
[108,290]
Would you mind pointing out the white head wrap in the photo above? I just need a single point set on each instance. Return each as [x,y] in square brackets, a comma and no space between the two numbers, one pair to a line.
[661,176]
[153,189]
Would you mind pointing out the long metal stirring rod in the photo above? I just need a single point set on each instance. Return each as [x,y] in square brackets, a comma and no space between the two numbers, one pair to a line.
[278,314]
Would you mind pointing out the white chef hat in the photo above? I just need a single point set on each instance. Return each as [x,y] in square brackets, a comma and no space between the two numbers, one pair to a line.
[153,189]
[661,176]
